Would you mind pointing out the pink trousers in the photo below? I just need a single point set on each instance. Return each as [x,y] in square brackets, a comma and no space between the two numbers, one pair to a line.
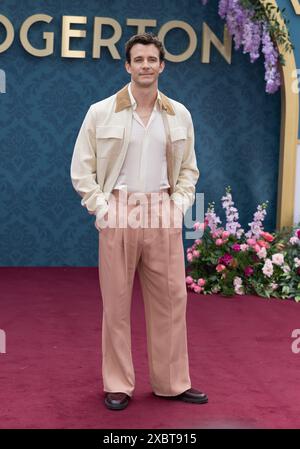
[158,255]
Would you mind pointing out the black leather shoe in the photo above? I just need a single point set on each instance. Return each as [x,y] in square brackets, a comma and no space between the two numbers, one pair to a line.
[116,401]
[190,395]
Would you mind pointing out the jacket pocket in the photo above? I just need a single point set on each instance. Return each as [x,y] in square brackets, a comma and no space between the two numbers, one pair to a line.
[178,138]
[178,133]
[109,139]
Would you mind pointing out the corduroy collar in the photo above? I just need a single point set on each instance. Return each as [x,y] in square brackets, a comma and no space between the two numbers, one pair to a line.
[123,101]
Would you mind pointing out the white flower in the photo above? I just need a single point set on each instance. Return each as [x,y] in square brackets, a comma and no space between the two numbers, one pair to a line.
[286,268]
[215,289]
[262,253]
[238,285]
[278,259]
[273,285]
[239,233]
[297,261]
[237,281]
[244,247]
[268,268]
[239,290]
[294,240]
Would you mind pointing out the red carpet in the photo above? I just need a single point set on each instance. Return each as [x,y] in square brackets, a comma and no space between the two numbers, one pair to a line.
[50,376]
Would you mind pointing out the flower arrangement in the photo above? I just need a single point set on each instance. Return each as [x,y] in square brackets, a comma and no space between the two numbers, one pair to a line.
[229,261]
[253,24]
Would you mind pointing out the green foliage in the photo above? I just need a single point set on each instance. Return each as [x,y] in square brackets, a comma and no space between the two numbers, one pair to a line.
[268,13]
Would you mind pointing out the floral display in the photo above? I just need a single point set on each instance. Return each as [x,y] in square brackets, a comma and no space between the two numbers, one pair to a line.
[254,27]
[229,261]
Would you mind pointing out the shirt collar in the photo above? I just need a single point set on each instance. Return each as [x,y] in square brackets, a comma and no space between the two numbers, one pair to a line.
[158,101]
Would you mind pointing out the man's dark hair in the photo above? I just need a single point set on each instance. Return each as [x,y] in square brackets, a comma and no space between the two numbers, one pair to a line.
[145,39]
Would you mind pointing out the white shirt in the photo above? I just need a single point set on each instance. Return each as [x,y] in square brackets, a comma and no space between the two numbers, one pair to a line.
[145,165]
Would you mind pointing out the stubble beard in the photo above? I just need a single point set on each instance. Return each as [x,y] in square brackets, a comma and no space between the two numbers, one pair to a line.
[145,83]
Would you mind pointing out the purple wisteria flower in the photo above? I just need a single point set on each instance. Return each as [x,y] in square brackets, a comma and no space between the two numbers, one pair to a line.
[272,76]
[251,35]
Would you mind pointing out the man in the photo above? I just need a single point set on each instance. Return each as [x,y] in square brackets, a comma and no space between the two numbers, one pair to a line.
[137,146]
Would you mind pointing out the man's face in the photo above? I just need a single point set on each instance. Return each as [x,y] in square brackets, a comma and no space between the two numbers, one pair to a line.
[145,65]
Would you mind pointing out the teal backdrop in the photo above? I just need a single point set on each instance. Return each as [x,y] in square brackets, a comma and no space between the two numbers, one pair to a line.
[237,125]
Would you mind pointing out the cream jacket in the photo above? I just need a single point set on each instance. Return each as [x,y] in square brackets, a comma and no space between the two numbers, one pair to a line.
[102,142]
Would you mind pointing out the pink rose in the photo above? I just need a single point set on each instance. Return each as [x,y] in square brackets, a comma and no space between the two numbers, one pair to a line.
[267,236]
[197,289]
[219,242]
[226,259]
[236,247]
[189,257]
[196,253]
[199,225]
[256,247]
[201,282]
[225,234]
[251,242]
[198,241]
[248,271]
[263,244]
[189,280]
[220,267]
